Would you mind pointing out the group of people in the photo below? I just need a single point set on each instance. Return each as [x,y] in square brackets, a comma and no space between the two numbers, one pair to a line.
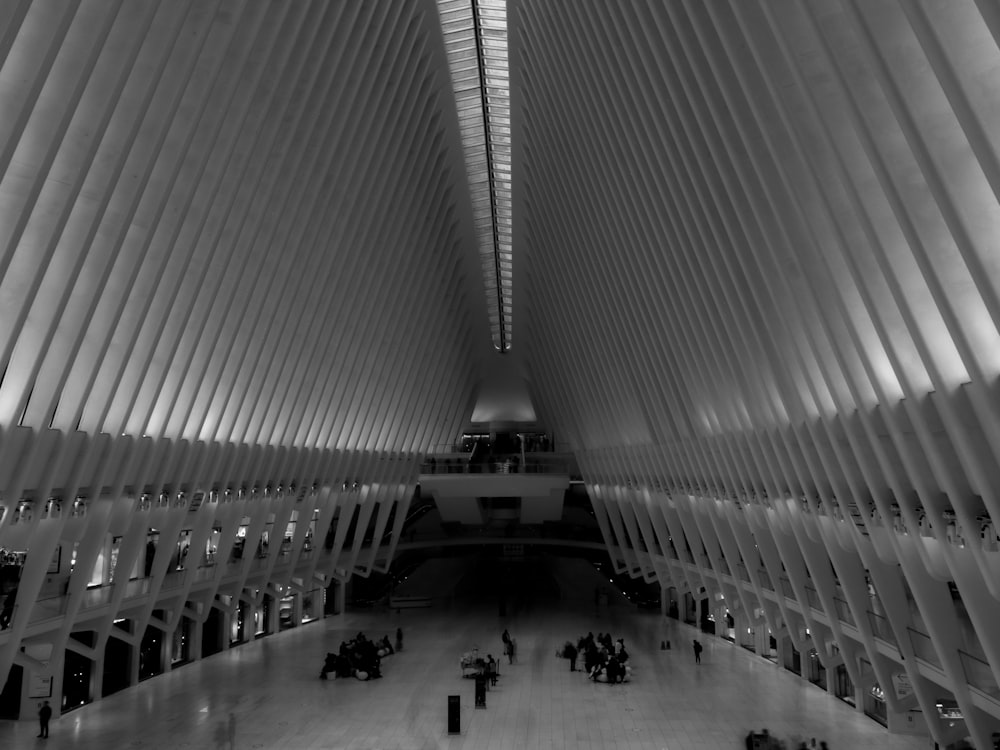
[473,664]
[764,740]
[360,657]
[603,657]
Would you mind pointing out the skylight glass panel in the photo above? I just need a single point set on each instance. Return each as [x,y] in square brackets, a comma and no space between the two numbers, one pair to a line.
[476,43]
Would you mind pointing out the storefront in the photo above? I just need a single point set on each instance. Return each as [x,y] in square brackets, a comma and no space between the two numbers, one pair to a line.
[76,673]
[10,696]
[11,563]
[815,671]
[151,650]
[180,555]
[211,633]
[729,630]
[875,705]
[116,544]
[117,661]
[180,644]
[238,624]
[843,688]
[313,604]
[262,617]
[747,638]
[791,658]
[212,545]
[287,611]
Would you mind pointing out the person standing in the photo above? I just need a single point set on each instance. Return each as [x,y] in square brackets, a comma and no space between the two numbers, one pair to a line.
[491,669]
[570,652]
[697,652]
[44,714]
[399,639]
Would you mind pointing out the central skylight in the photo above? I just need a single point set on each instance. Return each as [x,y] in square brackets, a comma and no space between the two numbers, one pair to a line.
[475,34]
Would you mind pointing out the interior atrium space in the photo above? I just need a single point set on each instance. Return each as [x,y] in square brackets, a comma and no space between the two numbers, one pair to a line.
[670,321]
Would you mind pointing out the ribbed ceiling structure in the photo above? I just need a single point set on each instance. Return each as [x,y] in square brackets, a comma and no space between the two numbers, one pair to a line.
[241,295]
[758,267]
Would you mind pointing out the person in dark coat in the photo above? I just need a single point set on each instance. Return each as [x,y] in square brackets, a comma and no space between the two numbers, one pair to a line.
[44,714]
[570,653]
[697,652]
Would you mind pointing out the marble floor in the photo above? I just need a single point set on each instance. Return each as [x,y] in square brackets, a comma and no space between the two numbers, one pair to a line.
[271,690]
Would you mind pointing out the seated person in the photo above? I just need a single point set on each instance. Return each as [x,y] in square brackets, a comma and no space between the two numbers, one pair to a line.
[329,665]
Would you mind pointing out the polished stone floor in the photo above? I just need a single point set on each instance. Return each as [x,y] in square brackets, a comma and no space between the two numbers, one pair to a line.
[270,690]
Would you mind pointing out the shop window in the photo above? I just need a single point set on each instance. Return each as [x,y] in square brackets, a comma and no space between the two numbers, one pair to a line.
[212,545]
[262,617]
[180,644]
[240,542]
[816,671]
[151,650]
[238,625]
[875,705]
[181,552]
[76,673]
[100,572]
[286,612]
[843,688]
[313,605]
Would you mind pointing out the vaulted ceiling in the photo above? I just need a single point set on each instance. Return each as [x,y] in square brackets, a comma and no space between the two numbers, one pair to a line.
[753,248]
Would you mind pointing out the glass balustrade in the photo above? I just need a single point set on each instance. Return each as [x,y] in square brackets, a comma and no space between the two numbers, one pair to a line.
[881,628]
[923,647]
[812,596]
[843,611]
[978,674]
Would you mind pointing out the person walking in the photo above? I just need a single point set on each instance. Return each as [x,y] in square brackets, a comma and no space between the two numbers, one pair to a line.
[44,714]
[697,652]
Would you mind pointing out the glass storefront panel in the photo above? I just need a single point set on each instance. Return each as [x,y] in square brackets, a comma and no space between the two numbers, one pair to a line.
[237,627]
[312,605]
[286,612]
[180,644]
[843,688]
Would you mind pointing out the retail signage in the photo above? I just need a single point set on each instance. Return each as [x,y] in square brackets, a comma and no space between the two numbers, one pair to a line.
[40,686]
[901,682]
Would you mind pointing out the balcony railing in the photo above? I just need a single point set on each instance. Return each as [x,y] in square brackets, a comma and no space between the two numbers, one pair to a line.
[978,674]
[512,465]
[923,647]
[812,596]
[843,611]
[881,628]
[765,579]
